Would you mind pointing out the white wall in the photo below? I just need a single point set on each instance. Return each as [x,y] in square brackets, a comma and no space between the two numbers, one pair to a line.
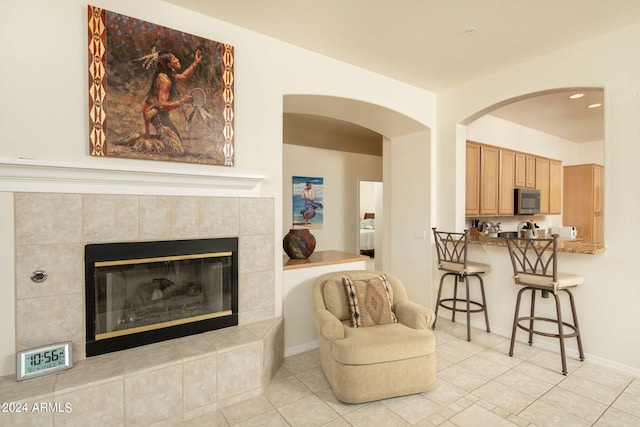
[406,203]
[587,152]
[495,131]
[45,92]
[607,303]
[369,192]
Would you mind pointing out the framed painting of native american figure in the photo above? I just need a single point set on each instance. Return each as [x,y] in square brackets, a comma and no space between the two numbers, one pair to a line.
[156,93]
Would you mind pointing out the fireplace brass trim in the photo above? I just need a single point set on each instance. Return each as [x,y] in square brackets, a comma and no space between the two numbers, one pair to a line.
[218,250]
[145,328]
[160,259]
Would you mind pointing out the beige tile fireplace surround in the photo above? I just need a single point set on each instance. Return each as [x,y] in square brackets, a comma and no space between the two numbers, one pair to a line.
[196,374]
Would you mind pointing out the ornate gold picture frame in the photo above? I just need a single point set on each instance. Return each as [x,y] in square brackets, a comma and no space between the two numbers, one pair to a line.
[158,94]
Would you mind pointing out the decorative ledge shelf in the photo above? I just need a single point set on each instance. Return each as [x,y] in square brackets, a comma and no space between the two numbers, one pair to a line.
[26,175]
[321,258]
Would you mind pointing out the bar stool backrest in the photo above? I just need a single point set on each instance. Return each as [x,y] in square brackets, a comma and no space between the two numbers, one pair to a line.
[451,246]
[534,257]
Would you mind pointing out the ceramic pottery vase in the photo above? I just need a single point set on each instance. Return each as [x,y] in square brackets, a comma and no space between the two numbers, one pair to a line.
[299,243]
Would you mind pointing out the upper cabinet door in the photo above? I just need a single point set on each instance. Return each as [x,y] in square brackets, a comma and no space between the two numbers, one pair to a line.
[530,180]
[555,187]
[598,189]
[472,180]
[520,178]
[506,181]
[542,183]
[489,167]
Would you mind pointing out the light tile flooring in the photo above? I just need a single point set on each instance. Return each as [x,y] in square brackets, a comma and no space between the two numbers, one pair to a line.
[478,385]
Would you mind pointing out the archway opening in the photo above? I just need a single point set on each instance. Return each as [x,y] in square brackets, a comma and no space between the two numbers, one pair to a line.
[564,125]
[390,127]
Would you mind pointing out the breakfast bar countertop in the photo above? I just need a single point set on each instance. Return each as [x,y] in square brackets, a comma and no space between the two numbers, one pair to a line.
[567,246]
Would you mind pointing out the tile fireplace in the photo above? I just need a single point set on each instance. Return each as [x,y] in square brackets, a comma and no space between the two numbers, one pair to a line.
[53,229]
[138,293]
[196,374]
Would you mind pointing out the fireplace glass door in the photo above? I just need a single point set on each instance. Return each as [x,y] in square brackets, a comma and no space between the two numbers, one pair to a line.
[144,294]
[136,300]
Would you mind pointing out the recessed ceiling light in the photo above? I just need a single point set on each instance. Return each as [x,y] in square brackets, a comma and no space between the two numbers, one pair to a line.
[596,105]
[576,95]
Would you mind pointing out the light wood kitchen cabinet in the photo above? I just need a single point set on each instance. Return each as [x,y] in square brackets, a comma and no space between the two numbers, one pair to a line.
[597,235]
[598,189]
[525,174]
[520,178]
[472,203]
[493,172]
[489,175]
[583,200]
[506,181]
[549,182]
[482,178]
[542,183]
[555,187]
[530,174]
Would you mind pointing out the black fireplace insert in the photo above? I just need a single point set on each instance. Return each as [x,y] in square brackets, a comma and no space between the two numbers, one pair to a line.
[139,293]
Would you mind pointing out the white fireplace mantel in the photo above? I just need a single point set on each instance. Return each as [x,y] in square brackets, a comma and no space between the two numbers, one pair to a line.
[27,175]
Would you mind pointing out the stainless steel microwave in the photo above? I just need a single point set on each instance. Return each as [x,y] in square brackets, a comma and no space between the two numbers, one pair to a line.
[526,201]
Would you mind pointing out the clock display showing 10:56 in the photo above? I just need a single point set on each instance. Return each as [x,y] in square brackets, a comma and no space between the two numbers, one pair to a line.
[45,360]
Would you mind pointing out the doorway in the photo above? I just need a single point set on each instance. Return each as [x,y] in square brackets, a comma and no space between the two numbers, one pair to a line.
[371,224]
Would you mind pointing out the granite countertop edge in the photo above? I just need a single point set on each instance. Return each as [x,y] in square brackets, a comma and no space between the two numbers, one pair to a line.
[566,246]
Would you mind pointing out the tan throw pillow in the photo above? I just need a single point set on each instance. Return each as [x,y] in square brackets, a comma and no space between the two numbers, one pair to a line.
[369,301]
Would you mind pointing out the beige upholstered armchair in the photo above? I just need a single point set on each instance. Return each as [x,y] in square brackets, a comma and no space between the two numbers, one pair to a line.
[390,353]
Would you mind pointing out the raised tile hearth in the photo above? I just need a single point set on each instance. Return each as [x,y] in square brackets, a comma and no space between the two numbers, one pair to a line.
[169,382]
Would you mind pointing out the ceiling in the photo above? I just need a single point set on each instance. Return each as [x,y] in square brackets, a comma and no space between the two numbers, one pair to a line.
[356,139]
[557,114]
[437,44]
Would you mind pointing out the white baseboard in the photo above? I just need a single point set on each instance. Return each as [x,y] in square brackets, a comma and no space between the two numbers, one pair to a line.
[550,346]
[292,351]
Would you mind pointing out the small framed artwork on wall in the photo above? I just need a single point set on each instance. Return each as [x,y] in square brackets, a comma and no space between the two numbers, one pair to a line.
[308,205]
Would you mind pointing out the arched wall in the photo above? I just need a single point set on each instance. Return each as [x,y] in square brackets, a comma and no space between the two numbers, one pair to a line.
[608,298]
[513,100]
[406,181]
[382,120]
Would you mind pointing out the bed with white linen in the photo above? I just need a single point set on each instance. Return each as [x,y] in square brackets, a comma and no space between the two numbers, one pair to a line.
[367,236]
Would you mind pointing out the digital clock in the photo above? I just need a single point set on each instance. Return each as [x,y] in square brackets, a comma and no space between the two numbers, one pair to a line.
[44,360]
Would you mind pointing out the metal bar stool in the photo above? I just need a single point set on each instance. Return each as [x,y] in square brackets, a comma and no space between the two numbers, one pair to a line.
[535,267]
[452,259]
